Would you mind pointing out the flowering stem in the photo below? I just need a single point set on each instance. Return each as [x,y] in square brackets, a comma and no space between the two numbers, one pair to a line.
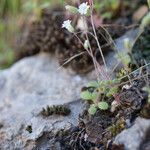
[98,44]
[96,65]
[90,53]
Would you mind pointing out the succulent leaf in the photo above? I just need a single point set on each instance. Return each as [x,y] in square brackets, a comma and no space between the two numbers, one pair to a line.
[103,105]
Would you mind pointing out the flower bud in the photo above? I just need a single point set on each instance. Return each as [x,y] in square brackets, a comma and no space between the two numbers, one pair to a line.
[71,9]
[86,44]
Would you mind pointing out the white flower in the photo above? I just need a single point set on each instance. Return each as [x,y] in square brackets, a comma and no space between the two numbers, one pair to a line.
[67,24]
[83,8]
[126,87]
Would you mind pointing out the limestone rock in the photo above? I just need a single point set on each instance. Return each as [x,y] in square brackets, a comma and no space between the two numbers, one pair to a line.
[27,87]
[134,136]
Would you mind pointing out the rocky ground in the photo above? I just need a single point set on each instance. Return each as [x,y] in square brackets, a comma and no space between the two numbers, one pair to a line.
[35,82]
[40,104]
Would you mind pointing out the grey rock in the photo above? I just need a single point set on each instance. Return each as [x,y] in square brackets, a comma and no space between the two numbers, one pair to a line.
[134,136]
[27,87]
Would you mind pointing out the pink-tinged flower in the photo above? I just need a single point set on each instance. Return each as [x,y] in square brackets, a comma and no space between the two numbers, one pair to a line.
[126,87]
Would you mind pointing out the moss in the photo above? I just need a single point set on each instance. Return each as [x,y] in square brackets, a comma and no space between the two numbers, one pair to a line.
[55,110]
[117,127]
[29,128]
[1,125]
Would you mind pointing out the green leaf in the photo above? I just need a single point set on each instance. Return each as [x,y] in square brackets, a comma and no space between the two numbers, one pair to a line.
[92,110]
[109,94]
[145,21]
[103,83]
[103,105]
[112,91]
[86,95]
[117,81]
[93,84]
[94,95]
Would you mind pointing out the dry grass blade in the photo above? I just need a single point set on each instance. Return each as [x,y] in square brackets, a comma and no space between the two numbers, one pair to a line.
[70,59]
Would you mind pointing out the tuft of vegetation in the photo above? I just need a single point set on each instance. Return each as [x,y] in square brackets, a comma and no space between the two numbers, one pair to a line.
[117,127]
[96,92]
[1,125]
[55,110]
[29,128]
